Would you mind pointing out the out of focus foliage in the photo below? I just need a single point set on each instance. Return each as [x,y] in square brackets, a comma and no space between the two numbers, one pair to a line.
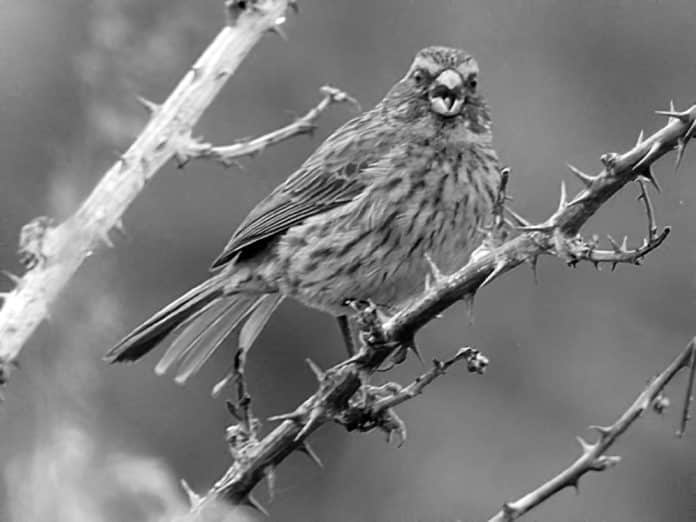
[567,81]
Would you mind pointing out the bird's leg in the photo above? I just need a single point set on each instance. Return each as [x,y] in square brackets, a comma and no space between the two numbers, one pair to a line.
[347,334]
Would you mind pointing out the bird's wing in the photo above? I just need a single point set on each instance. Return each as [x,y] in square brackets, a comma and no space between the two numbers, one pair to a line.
[329,178]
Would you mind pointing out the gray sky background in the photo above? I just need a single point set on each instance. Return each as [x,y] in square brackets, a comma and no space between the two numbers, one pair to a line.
[567,81]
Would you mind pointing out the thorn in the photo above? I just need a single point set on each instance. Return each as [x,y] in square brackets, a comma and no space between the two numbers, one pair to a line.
[585,179]
[250,501]
[314,417]
[564,197]
[434,270]
[614,244]
[307,450]
[520,220]
[640,138]
[649,156]
[574,483]
[277,29]
[151,106]
[673,114]
[602,431]
[222,383]
[533,264]
[118,225]
[689,133]
[543,227]
[469,306]
[497,270]
[104,237]
[509,513]
[294,416]
[412,346]
[648,175]
[270,481]
[193,497]
[681,146]
[12,277]
[624,244]
[318,373]
[586,446]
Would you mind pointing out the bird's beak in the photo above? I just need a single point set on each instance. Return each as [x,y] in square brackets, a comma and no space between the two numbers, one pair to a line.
[446,94]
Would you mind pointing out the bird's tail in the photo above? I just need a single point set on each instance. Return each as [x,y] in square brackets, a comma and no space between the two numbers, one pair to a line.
[199,320]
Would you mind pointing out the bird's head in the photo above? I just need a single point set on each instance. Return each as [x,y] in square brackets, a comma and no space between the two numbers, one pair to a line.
[442,81]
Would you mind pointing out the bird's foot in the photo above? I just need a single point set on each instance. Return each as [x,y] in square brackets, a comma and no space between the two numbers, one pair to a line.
[368,410]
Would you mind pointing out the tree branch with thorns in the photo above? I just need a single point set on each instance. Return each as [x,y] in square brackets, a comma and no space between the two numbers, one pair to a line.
[344,394]
[53,253]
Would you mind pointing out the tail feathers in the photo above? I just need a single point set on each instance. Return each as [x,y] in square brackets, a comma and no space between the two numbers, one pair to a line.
[187,333]
[258,319]
[153,331]
[198,322]
[212,335]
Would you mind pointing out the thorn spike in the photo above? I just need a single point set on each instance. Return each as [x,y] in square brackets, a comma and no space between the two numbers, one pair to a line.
[469,306]
[193,497]
[12,277]
[250,501]
[649,156]
[435,272]
[270,481]
[294,416]
[277,29]
[564,197]
[499,266]
[585,179]
[640,138]
[151,106]
[681,146]
[648,175]
[307,450]
[602,431]
[614,244]
[318,373]
[689,133]
[586,446]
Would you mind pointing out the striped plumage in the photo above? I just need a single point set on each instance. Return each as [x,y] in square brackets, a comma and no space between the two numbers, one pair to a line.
[414,176]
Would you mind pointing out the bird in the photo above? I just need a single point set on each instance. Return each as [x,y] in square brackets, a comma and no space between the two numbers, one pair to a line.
[410,182]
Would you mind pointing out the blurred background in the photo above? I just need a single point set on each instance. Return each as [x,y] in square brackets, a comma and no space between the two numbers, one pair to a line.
[567,81]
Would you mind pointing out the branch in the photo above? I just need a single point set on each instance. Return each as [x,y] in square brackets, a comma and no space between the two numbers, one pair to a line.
[334,400]
[594,456]
[193,148]
[54,253]
[555,236]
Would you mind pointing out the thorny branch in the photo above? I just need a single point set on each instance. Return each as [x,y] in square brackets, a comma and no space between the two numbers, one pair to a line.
[343,396]
[594,456]
[227,154]
[53,253]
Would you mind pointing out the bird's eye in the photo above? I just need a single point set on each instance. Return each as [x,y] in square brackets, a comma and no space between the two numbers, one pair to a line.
[473,83]
[418,76]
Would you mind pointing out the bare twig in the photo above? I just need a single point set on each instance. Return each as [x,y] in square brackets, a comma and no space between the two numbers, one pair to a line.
[193,148]
[594,456]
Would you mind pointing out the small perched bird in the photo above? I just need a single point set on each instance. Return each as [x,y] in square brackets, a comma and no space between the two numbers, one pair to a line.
[412,178]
